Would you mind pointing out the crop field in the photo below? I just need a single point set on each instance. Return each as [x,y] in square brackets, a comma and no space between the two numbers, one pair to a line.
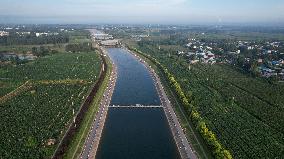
[39,100]
[57,67]
[245,112]
[79,36]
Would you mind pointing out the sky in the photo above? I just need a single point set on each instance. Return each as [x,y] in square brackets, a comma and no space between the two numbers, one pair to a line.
[142,11]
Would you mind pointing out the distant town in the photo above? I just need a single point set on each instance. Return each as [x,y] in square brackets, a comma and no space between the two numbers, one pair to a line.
[267,57]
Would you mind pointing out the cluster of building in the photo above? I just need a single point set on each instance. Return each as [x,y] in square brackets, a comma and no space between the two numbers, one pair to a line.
[262,48]
[110,43]
[103,36]
[267,55]
[203,57]
[46,34]
[104,39]
[274,68]
[4,33]
[23,33]
[139,37]
[200,52]
[9,56]
[268,67]
[206,57]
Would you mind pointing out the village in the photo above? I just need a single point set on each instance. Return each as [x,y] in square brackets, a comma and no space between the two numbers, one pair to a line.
[265,58]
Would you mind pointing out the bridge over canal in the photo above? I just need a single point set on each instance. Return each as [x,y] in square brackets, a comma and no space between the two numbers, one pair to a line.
[136,106]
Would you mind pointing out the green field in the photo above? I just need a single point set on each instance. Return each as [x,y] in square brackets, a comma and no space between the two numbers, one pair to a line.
[246,113]
[79,36]
[53,88]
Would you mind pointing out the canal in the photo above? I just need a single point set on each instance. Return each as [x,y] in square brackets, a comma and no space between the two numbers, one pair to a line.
[140,133]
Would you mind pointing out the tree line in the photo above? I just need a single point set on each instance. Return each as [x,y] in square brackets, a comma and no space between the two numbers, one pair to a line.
[32,39]
[79,47]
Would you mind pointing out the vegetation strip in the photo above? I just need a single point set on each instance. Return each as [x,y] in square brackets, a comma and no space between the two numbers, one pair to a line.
[17,91]
[218,150]
[68,81]
[103,116]
[92,141]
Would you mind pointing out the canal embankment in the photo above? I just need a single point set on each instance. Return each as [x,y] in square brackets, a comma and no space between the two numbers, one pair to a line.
[185,149]
[93,139]
[78,123]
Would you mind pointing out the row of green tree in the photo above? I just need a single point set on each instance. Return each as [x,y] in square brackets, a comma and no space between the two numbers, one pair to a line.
[43,51]
[33,39]
[79,47]
[218,150]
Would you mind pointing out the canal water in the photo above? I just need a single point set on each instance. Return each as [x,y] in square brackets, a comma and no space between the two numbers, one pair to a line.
[134,82]
[135,133]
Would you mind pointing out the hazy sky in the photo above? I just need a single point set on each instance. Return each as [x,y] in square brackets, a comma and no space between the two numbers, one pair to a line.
[142,11]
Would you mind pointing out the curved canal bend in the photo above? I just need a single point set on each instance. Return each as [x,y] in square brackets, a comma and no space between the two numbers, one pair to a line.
[131,132]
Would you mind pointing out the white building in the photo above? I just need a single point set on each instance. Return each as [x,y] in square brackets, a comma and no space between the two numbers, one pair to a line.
[110,42]
[4,33]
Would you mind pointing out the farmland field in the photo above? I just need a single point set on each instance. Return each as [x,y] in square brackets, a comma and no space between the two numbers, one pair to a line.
[51,89]
[79,36]
[246,113]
